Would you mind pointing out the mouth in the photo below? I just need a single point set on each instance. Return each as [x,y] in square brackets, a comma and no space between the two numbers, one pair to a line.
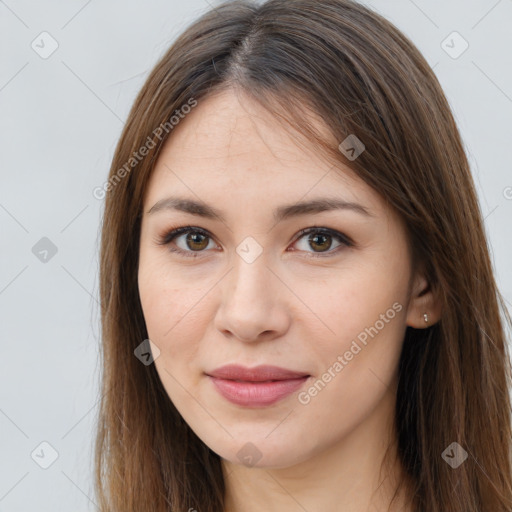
[256,387]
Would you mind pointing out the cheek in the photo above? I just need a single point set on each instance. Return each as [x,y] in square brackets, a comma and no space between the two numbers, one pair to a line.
[355,370]
[174,325]
[365,312]
[167,296]
[173,312]
[351,299]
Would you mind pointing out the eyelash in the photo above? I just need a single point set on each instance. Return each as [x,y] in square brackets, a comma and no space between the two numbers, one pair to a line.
[169,236]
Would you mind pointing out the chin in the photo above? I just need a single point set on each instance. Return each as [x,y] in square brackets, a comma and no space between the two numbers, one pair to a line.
[261,454]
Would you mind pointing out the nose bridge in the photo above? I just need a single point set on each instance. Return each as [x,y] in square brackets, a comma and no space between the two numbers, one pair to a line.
[250,304]
[249,284]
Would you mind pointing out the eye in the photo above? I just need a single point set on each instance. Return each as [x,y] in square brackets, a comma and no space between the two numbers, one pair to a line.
[195,240]
[321,239]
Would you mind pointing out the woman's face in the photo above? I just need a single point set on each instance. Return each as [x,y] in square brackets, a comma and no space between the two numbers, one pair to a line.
[247,288]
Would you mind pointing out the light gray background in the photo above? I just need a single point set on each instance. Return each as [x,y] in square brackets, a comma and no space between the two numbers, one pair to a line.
[59,123]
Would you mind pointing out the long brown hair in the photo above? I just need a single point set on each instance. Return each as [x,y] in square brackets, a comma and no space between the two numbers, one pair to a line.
[346,64]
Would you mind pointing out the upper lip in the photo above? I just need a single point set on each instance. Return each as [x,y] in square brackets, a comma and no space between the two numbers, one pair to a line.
[255,374]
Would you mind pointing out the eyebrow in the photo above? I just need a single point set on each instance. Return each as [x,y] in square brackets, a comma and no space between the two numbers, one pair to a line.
[202,209]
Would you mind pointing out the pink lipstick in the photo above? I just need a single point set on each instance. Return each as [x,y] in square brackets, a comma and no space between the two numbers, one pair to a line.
[256,387]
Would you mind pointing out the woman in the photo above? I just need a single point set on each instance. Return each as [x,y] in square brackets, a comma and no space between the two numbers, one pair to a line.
[299,310]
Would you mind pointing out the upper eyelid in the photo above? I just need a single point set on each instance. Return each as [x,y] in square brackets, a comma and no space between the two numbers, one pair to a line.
[187,229]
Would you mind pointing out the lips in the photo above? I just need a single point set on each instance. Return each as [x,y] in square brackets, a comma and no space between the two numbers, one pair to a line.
[257,374]
[256,387]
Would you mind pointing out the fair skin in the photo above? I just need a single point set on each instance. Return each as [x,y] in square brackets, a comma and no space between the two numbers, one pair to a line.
[312,451]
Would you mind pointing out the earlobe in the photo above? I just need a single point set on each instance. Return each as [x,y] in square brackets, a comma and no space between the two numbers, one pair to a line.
[424,305]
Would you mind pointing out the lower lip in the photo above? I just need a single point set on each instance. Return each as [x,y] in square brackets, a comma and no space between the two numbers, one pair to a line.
[256,394]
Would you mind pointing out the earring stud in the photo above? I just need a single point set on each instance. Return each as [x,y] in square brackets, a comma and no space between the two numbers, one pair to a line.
[425,316]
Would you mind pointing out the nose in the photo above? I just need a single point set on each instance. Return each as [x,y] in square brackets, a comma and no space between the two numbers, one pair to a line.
[253,303]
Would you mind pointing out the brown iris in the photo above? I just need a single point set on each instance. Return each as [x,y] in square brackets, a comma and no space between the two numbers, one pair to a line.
[313,241]
[200,240]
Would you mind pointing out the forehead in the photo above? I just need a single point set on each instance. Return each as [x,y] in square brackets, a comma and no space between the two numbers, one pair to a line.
[231,149]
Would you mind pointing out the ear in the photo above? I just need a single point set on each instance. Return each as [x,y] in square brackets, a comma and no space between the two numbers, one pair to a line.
[424,300]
